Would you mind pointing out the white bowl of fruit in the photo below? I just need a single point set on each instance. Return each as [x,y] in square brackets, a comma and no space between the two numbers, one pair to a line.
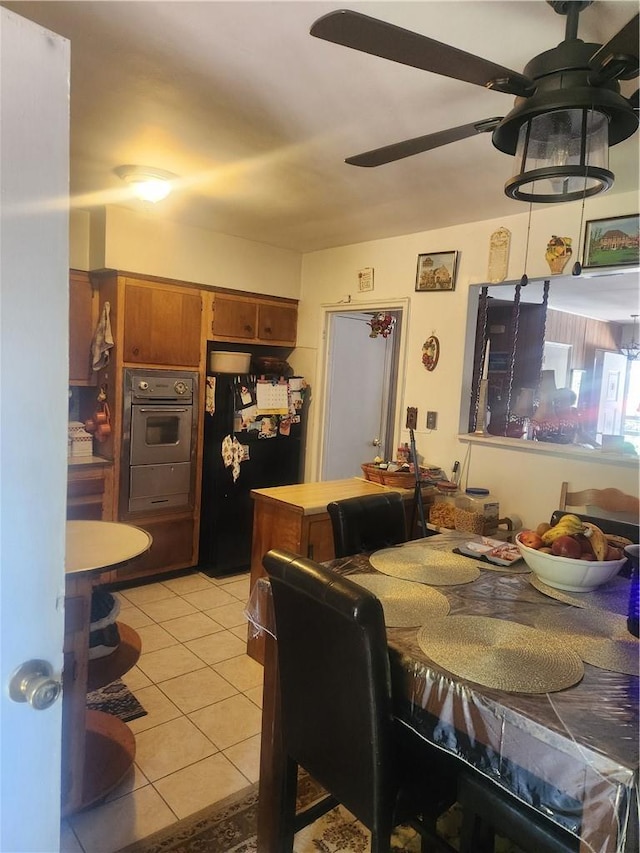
[572,555]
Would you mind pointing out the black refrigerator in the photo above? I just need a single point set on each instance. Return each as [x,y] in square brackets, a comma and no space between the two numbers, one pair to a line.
[244,449]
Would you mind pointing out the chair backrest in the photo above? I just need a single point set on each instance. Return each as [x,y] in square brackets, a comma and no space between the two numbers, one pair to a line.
[603,503]
[367,523]
[335,683]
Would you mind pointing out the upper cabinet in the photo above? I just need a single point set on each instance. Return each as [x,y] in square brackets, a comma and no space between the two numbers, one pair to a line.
[162,324]
[253,319]
[83,316]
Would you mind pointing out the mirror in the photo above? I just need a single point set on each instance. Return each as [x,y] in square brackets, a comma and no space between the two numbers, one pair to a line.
[554,369]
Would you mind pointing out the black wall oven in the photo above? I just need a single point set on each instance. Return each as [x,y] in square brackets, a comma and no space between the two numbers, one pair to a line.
[159,440]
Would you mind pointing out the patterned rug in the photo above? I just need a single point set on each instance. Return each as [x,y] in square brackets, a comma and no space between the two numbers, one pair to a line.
[116,699]
[230,827]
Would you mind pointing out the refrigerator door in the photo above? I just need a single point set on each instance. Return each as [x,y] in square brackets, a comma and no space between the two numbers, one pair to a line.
[226,521]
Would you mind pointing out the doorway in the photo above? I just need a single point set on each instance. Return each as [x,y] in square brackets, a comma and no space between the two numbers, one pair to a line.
[361,391]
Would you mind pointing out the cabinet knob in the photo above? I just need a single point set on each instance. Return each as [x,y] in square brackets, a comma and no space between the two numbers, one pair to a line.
[267,329]
[248,328]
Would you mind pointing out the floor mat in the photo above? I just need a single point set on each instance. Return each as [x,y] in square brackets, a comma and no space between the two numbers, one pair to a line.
[116,699]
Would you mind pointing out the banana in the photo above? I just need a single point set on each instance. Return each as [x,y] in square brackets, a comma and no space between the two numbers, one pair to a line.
[568,525]
[598,541]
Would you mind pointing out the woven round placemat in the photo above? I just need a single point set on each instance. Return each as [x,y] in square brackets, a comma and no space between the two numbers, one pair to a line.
[405,604]
[600,638]
[425,565]
[500,654]
[612,596]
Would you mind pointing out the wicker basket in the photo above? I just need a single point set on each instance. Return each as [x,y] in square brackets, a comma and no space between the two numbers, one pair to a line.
[397,479]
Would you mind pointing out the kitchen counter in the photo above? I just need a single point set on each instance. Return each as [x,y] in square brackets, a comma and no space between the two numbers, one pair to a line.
[87,461]
[312,498]
[295,518]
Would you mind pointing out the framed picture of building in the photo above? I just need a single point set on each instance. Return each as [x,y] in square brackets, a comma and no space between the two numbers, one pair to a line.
[611,242]
[437,271]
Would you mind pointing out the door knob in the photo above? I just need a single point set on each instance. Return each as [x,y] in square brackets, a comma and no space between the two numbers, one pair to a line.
[33,683]
[376,442]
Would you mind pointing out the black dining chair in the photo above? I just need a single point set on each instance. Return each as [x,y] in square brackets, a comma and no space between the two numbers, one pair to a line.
[367,523]
[488,810]
[336,706]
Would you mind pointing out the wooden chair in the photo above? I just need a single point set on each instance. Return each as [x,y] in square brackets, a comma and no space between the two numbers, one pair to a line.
[366,523]
[336,702]
[612,503]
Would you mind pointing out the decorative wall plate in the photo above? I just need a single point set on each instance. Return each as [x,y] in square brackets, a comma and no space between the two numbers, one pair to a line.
[431,352]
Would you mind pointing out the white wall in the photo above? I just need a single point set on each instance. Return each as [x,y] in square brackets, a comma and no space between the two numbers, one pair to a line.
[527,484]
[122,239]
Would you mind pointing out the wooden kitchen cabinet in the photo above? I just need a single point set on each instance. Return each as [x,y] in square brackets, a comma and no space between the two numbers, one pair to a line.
[247,318]
[162,324]
[83,318]
[89,487]
[173,547]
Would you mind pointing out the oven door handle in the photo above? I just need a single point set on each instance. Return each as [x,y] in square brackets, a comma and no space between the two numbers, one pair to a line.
[146,410]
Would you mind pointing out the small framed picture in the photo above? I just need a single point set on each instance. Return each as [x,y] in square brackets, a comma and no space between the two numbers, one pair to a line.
[611,242]
[437,271]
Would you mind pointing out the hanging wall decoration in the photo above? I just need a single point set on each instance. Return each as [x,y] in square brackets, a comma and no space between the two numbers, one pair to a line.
[558,253]
[437,271]
[611,242]
[431,352]
[499,245]
[381,324]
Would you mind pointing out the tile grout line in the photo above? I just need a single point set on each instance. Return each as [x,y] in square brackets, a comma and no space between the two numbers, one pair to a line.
[210,666]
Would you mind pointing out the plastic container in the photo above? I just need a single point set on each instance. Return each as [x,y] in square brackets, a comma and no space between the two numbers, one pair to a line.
[477,511]
[442,510]
[229,362]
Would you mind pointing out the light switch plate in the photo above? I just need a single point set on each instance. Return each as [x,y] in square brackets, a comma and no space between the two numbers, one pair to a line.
[432,420]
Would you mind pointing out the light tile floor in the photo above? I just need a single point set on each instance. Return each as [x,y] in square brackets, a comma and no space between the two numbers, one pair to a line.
[200,739]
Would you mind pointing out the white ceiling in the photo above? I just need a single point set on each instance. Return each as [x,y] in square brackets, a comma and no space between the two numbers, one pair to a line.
[256,116]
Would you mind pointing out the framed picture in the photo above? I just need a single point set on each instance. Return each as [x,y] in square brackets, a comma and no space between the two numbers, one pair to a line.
[613,381]
[437,271]
[611,242]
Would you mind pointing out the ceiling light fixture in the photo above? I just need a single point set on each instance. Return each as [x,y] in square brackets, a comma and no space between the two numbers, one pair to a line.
[561,134]
[147,183]
[632,349]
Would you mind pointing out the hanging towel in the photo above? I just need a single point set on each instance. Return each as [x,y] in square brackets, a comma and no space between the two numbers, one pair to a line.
[232,454]
[102,340]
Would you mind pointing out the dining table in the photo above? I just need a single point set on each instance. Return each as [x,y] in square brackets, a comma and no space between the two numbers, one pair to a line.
[570,752]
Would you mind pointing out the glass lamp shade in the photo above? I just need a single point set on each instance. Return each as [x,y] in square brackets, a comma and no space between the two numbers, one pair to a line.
[561,155]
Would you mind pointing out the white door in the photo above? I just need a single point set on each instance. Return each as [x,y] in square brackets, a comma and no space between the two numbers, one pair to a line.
[359,396]
[611,398]
[34,188]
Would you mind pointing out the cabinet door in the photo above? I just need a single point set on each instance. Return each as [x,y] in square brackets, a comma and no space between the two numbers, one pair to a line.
[233,317]
[162,325]
[83,315]
[172,548]
[277,323]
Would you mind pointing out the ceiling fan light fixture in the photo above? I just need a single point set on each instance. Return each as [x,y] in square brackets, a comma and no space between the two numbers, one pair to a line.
[561,155]
[148,184]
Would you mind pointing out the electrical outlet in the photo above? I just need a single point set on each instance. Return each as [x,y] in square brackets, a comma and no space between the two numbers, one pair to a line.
[432,420]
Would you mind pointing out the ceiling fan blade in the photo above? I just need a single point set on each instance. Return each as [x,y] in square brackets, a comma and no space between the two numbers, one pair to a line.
[400,150]
[360,32]
[618,58]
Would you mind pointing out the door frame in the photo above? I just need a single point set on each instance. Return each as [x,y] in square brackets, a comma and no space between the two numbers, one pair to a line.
[327,312]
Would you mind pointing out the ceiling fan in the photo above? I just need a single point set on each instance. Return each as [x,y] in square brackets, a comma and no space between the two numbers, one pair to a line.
[568,108]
